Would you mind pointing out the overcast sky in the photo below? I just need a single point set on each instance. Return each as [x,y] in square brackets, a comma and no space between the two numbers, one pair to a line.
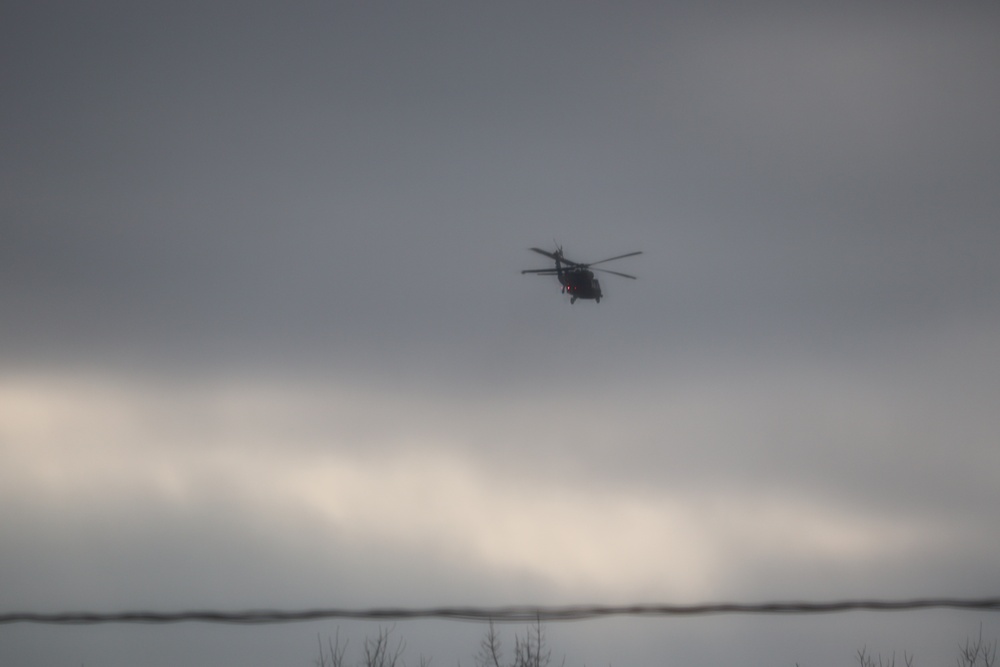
[264,339]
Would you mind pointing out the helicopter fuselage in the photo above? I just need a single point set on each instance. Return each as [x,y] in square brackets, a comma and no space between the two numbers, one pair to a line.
[580,284]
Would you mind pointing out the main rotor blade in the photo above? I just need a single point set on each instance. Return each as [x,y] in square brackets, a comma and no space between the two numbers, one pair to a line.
[557,258]
[628,254]
[623,275]
[542,271]
[546,253]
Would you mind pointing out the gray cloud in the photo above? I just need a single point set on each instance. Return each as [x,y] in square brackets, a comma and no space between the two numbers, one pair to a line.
[265,335]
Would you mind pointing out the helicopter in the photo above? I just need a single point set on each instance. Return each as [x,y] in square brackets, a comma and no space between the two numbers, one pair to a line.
[576,278]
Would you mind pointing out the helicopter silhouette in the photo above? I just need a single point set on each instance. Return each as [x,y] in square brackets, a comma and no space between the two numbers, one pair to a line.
[577,278]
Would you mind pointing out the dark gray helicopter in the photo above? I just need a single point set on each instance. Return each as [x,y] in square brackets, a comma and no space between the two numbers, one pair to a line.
[576,278]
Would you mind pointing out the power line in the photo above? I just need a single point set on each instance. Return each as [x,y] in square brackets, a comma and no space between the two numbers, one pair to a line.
[498,614]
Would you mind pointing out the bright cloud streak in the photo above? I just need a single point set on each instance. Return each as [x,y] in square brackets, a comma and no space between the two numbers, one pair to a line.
[83,445]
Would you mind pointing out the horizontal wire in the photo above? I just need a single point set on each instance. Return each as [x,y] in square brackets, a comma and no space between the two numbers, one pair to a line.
[498,614]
